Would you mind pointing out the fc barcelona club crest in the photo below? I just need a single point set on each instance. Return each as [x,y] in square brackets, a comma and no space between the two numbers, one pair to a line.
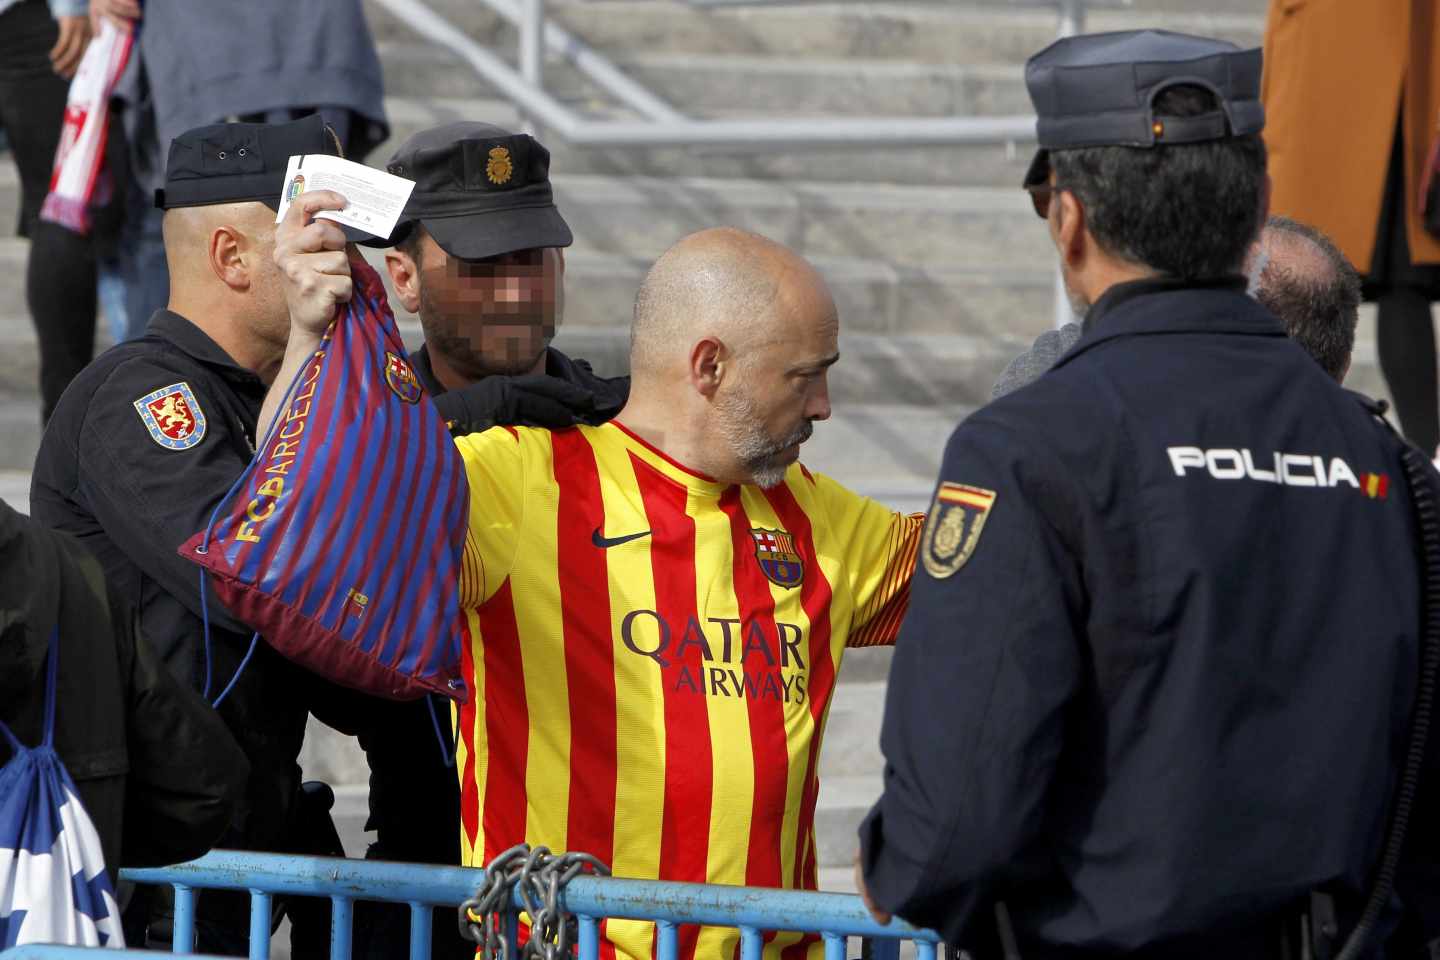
[779,560]
[953,528]
[401,378]
[172,416]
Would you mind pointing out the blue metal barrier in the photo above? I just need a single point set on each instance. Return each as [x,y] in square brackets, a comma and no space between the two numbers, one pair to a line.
[752,910]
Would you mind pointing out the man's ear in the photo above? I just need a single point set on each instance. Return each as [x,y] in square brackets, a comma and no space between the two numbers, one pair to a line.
[228,252]
[709,359]
[405,277]
[1072,238]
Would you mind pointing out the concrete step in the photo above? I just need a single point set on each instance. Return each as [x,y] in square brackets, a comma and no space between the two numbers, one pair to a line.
[852,733]
[790,59]
[927,227]
[9,196]
[982,165]
[843,803]
[756,85]
[946,32]
[15,489]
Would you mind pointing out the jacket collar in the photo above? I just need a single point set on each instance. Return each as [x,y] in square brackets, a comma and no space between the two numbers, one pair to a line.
[1164,305]
[195,343]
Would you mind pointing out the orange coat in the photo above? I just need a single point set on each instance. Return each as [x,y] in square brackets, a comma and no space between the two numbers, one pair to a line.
[1335,72]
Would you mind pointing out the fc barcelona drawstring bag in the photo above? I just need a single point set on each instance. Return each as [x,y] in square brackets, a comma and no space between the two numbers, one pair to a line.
[341,543]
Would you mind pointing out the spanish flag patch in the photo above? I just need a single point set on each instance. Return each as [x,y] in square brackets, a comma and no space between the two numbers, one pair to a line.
[957,517]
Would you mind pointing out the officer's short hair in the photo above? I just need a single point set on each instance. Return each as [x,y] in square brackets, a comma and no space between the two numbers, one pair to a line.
[1317,298]
[1187,210]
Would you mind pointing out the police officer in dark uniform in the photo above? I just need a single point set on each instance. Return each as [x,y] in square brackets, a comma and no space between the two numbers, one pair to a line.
[149,439]
[1155,685]
[478,255]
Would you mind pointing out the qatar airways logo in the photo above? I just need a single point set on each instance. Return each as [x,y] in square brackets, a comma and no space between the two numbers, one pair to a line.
[722,657]
[1286,469]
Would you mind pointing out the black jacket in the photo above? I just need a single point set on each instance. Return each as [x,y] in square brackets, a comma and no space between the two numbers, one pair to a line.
[132,494]
[1161,650]
[155,767]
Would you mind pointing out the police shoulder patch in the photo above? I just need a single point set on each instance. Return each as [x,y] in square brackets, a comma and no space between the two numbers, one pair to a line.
[957,516]
[173,416]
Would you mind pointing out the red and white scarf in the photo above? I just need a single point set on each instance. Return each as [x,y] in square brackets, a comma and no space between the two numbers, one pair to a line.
[81,153]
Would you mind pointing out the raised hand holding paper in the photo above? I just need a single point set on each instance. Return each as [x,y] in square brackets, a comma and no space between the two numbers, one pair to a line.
[375,198]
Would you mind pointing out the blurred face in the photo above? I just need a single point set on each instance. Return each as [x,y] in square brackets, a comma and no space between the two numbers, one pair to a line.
[766,408]
[492,316]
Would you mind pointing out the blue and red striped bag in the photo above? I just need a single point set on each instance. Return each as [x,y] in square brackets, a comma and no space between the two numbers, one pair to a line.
[341,543]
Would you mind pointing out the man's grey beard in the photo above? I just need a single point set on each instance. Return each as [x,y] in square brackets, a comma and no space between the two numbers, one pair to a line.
[739,423]
[1079,306]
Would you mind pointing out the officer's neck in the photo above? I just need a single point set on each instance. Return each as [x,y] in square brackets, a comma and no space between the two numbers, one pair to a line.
[1099,273]
[231,334]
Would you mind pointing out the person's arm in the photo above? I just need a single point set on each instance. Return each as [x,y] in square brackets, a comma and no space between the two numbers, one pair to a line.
[148,497]
[315,261]
[984,666]
[187,773]
[535,400]
[73,20]
[122,13]
[495,473]
[879,561]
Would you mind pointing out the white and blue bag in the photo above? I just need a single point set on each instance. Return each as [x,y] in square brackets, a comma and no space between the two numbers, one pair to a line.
[53,885]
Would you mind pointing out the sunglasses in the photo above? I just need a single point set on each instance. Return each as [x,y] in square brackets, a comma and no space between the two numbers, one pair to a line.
[1040,196]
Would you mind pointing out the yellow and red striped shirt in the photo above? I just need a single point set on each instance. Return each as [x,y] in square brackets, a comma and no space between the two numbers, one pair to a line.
[651,656]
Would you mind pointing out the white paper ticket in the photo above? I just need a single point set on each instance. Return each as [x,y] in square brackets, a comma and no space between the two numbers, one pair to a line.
[374,199]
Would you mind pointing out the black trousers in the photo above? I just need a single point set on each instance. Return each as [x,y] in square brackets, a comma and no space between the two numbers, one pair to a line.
[60,271]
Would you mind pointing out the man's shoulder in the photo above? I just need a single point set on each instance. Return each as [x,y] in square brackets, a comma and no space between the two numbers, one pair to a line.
[497,448]
[135,366]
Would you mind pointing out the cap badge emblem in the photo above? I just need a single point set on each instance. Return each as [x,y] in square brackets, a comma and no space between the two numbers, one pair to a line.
[498,168]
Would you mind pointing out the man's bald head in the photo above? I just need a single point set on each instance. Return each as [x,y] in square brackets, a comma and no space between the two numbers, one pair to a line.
[189,232]
[733,339]
[1302,277]
[222,268]
[728,283]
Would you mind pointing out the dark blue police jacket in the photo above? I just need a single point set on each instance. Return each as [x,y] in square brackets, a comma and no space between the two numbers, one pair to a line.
[1160,655]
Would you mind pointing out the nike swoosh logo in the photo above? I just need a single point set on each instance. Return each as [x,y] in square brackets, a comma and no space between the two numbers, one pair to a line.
[605,543]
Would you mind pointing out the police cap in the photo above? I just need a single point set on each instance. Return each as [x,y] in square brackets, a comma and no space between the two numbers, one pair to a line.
[236,162]
[1099,90]
[479,190]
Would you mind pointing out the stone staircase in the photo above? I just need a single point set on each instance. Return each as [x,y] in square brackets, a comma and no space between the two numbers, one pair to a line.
[940,269]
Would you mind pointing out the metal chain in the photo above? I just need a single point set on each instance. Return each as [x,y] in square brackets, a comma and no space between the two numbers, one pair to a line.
[538,877]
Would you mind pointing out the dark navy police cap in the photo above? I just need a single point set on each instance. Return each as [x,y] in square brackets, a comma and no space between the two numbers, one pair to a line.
[236,162]
[480,191]
[1099,90]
